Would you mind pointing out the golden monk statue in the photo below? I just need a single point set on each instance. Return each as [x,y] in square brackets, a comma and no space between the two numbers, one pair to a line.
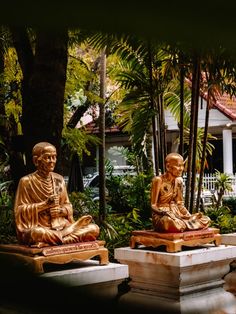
[43,212]
[168,211]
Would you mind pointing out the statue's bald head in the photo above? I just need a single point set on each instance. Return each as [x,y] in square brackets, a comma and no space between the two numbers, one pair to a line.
[40,148]
[173,157]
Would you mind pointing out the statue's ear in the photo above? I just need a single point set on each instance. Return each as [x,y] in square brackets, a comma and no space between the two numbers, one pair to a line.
[35,160]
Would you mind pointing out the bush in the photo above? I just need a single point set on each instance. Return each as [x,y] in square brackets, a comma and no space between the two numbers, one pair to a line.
[117,229]
[231,203]
[7,219]
[129,192]
[222,218]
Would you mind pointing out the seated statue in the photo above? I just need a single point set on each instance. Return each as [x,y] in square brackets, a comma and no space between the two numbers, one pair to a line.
[168,211]
[43,212]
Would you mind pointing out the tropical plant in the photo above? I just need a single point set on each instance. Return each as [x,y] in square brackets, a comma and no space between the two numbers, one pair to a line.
[199,141]
[222,218]
[123,225]
[223,184]
[7,221]
[231,203]
[218,72]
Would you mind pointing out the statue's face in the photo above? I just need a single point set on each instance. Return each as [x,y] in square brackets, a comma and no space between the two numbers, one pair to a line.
[47,160]
[176,167]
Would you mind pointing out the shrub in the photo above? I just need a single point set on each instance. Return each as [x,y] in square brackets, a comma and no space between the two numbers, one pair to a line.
[222,218]
[231,203]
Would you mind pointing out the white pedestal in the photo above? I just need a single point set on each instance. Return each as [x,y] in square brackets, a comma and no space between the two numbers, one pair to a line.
[228,239]
[186,282]
[100,281]
[82,286]
[230,278]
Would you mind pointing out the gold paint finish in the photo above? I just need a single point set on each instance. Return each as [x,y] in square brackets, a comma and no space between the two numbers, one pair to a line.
[168,211]
[43,212]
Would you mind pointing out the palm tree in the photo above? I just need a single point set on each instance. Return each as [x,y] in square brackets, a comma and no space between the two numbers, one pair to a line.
[146,83]
[190,185]
[217,70]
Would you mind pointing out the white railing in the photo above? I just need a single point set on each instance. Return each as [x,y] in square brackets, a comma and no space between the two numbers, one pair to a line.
[209,181]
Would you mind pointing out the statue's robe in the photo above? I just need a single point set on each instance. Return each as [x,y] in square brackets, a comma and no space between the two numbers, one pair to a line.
[171,215]
[34,226]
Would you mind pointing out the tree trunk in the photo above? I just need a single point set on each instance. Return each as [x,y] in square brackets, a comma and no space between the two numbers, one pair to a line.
[16,144]
[195,125]
[153,106]
[188,192]
[102,175]
[43,97]
[161,136]
[203,158]
[181,122]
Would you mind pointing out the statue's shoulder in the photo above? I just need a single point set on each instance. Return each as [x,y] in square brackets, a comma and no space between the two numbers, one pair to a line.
[157,179]
[57,176]
[179,180]
[59,179]
[27,178]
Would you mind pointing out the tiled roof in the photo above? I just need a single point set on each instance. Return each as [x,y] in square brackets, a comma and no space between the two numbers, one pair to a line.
[92,127]
[227,106]
[224,104]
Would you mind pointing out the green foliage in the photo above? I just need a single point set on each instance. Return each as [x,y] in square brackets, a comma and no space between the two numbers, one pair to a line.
[223,182]
[128,192]
[222,185]
[77,140]
[129,209]
[172,102]
[7,225]
[122,226]
[83,204]
[231,203]
[80,69]
[222,218]
[209,147]
[11,88]
[5,197]
[7,220]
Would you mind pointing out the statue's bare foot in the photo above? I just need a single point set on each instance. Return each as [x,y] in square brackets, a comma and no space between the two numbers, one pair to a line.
[80,223]
[83,221]
[39,245]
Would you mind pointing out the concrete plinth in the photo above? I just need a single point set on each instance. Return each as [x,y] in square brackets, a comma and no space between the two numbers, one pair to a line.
[91,278]
[228,239]
[70,288]
[190,281]
[230,278]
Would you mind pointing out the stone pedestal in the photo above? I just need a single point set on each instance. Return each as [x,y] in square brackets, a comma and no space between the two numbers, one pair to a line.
[230,278]
[80,286]
[185,282]
[100,282]
[228,238]
[34,258]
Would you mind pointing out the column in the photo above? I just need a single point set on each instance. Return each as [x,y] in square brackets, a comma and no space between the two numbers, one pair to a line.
[227,151]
